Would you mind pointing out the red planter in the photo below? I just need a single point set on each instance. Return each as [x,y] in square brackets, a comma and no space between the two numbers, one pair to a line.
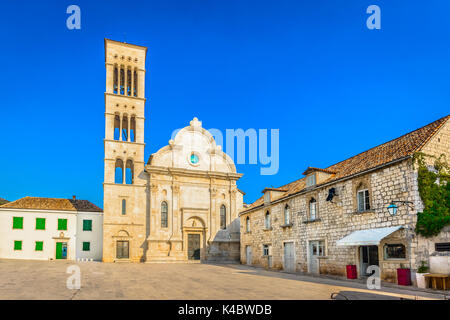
[404,277]
[351,271]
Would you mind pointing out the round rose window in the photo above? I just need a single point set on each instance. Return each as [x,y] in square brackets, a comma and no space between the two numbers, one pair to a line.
[194,158]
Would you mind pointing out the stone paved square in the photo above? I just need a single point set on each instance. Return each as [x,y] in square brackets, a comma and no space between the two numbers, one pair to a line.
[26,279]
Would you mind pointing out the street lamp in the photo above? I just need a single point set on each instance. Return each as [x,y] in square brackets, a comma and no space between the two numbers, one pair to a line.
[392,209]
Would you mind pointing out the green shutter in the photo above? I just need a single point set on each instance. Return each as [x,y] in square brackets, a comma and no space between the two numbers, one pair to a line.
[17,245]
[17,222]
[39,246]
[86,246]
[87,225]
[62,224]
[40,223]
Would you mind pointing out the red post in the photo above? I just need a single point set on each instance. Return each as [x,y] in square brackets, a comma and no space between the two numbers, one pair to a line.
[404,277]
[351,271]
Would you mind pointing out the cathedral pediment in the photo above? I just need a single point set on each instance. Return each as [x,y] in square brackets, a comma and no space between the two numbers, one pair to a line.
[192,149]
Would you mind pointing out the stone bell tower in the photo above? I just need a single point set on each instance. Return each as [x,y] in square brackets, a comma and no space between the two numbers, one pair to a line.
[124,187]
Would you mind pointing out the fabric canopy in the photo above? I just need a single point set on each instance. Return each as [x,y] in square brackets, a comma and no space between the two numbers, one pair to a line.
[367,237]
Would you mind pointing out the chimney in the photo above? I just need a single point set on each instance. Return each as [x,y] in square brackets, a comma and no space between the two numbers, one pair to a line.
[74,197]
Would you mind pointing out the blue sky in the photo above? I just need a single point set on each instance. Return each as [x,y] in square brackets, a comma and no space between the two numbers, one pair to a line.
[309,68]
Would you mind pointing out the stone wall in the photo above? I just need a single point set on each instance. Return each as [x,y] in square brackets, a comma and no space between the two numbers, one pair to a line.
[336,219]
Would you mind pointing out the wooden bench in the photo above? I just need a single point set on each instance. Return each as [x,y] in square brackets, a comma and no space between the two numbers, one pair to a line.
[433,277]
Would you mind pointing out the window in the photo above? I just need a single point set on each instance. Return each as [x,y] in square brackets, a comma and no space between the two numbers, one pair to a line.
[267,220]
[133,128]
[135,83]
[124,127]
[86,246]
[443,246]
[122,250]
[129,172]
[363,200]
[62,224]
[115,77]
[311,180]
[40,223]
[17,222]
[194,158]
[247,224]
[117,127]
[164,222]
[223,217]
[128,82]
[39,246]
[287,215]
[318,248]
[118,174]
[17,245]
[266,250]
[87,225]
[312,209]
[394,251]
[124,207]
[122,81]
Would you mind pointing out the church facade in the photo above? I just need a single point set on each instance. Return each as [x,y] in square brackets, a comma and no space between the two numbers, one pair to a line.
[180,205]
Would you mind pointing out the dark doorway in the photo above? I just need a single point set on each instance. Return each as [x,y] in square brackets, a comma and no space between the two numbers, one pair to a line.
[193,246]
[122,250]
[368,257]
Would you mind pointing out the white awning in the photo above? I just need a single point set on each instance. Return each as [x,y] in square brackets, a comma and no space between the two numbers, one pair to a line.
[367,237]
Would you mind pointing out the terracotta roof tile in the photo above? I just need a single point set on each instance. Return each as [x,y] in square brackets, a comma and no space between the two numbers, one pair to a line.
[398,148]
[52,204]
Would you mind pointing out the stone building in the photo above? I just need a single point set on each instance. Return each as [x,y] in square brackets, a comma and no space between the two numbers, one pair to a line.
[183,203]
[50,228]
[338,216]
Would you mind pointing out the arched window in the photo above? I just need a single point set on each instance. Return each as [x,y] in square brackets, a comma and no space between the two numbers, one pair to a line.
[312,209]
[129,172]
[125,128]
[118,174]
[128,82]
[247,224]
[135,83]
[267,220]
[116,127]
[287,215]
[164,221]
[122,81]
[115,79]
[124,207]
[223,217]
[133,129]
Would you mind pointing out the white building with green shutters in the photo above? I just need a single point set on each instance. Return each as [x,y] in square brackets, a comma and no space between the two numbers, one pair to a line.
[51,229]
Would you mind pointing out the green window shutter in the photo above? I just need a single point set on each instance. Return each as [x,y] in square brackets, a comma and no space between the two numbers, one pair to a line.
[86,246]
[17,222]
[62,224]
[39,246]
[17,245]
[40,223]
[87,225]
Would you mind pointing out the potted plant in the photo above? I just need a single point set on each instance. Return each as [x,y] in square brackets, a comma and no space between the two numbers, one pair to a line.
[351,271]
[420,275]
[403,276]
